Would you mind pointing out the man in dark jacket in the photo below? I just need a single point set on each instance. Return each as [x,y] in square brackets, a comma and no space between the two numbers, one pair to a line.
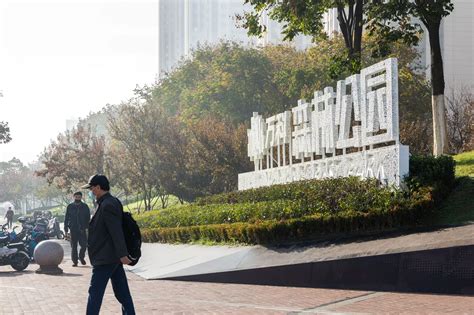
[77,221]
[107,249]
[9,216]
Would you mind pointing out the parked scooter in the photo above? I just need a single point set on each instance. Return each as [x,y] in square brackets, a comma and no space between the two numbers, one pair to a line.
[35,232]
[54,229]
[13,254]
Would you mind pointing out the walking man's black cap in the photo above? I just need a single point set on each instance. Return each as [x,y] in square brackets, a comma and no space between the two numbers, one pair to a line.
[95,180]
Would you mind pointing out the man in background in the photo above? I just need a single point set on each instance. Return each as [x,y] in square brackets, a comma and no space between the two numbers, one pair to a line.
[77,221]
[9,216]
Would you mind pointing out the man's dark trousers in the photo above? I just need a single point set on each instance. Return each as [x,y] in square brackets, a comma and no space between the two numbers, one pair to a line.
[10,222]
[100,277]
[78,236]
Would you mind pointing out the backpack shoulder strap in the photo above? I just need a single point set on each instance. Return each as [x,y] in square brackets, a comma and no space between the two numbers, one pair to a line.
[120,203]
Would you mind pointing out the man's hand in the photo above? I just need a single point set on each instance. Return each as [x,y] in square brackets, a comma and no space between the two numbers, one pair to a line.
[124,260]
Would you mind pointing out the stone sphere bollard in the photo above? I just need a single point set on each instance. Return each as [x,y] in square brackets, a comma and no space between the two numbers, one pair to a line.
[48,255]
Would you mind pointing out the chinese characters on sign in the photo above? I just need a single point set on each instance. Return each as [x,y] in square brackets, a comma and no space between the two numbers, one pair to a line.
[351,131]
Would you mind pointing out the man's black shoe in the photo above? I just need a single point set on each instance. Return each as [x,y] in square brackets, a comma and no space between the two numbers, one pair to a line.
[83,261]
[74,264]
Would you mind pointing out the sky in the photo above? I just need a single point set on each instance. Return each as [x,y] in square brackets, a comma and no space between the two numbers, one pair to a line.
[64,59]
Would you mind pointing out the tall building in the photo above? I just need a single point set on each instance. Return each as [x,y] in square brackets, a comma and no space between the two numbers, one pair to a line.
[330,22]
[186,24]
[170,33]
[457,44]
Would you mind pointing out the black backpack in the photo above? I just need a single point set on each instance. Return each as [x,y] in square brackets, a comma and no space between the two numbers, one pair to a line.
[132,235]
[133,238]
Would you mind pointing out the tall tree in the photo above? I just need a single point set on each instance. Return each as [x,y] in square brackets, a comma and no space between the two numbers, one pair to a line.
[220,150]
[44,193]
[178,176]
[460,120]
[202,158]
[70,160]
[4,129]
[388,18]
[15,182]
[4,132]
[136,128]
[306,17]
[227,80]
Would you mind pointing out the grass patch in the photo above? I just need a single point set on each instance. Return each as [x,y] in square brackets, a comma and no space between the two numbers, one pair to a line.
[140,205]
[458,208]
[464,164]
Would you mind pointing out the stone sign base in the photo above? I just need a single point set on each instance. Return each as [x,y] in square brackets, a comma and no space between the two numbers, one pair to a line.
[388,164]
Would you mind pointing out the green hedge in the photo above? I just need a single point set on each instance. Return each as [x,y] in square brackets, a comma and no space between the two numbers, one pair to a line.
[437,172]
[301,199]
[329,191]
[309,227]
[306,209]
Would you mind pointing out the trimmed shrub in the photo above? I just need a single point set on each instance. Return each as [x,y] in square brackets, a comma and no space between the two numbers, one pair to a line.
[424,171]
[309,227]
[331,196]
[431,171]
[329,190]
[305,210]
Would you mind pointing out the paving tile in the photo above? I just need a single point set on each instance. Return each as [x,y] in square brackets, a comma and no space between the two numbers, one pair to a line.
[30,293]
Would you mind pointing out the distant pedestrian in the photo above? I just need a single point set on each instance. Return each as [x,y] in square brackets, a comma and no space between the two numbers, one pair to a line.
[9,216]
[77,221]
[107,249]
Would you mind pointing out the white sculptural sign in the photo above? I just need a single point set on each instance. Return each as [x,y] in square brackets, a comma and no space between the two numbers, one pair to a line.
[353,131]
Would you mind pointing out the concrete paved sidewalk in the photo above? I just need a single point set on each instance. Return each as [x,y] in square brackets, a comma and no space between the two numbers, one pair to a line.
[30,293]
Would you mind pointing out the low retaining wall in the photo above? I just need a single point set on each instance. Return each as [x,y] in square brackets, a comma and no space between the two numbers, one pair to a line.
[444,270]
